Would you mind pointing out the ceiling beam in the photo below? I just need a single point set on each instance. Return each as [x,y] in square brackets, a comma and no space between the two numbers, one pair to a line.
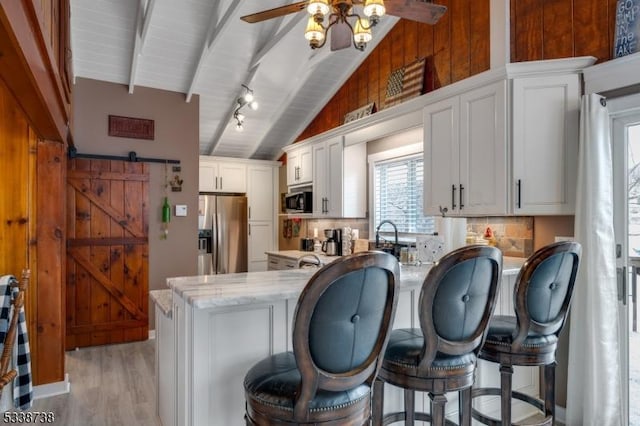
[222,125]
[214,32]
[143,18]
[275,39]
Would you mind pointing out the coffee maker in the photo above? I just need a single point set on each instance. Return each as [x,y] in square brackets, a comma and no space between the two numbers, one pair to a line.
[332,246]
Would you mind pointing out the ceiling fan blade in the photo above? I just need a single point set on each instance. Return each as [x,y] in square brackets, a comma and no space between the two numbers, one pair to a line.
[416,10]
[274,13]
[340,36]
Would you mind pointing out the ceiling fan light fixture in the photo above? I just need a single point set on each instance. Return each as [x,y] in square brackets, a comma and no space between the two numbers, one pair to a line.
[318,7]
[314,33]
[374,10]
[362,33]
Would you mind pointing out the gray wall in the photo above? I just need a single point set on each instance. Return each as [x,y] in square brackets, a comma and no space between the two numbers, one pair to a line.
[176,137]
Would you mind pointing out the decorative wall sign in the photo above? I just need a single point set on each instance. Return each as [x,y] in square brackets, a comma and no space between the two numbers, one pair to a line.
[627,27]
[128,127]
[361,112]
[405,83]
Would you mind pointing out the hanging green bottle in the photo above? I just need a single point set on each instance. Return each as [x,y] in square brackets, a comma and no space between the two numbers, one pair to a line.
[166,211]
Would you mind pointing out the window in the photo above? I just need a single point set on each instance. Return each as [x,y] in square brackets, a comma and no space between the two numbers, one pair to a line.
[397,194]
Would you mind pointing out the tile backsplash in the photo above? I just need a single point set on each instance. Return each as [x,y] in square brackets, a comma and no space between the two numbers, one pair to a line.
[514,235]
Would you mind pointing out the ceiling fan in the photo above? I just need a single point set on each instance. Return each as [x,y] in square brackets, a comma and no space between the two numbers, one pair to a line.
[346,24]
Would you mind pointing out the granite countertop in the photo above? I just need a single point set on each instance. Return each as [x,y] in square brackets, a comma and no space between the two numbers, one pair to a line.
[296,254]
[163,300]
[209,291]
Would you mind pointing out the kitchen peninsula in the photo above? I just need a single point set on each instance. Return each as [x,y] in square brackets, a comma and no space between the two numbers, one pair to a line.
[223,324]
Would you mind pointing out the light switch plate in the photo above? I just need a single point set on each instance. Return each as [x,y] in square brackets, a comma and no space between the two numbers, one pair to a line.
[181,210]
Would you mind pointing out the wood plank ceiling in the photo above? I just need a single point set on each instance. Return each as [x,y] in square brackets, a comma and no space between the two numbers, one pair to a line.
[201,47]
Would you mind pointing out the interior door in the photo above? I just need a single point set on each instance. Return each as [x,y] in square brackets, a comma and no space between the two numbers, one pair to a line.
[626,175]
[107,252]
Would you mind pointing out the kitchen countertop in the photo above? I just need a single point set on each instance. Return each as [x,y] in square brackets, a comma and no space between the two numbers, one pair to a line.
[210,291]
[163,300]
[296,254]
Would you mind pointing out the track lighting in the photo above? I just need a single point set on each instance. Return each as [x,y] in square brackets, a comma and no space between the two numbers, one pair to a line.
[245,98]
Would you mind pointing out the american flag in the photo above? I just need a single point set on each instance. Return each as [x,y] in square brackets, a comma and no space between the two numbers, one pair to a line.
[405,83]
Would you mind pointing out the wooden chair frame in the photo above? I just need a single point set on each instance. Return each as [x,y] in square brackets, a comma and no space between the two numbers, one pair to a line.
[433,343]
[314,378]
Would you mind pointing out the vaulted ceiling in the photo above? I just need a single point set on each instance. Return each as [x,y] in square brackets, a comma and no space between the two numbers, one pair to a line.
[201,47]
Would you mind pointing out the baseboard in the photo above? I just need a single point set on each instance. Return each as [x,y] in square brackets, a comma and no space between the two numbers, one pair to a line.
[561,415]
[52,389]
[152,334]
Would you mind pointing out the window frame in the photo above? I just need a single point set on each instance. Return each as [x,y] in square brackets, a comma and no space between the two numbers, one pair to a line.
[412,149]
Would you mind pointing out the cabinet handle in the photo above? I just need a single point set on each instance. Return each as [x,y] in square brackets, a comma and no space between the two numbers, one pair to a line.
[249,229]
[216,182]
[453,197]
[461,202]
[326,210]
[220,182]
[519,186]
[249,212]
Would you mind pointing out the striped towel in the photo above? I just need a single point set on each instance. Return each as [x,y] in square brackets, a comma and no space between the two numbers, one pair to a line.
[22,387]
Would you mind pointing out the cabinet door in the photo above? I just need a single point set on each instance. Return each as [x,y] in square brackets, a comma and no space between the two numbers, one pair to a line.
[306,165]
[208,172]
[441,157]
[260,193]
[545,144]
[484,183]
[232,177]
[320,156]
[293,160]
[260,241]
[334,177]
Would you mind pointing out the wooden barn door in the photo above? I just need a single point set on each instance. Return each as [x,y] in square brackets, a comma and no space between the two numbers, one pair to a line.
[107,252]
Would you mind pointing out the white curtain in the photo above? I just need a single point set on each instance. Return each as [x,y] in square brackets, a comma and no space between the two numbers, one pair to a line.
[594,386]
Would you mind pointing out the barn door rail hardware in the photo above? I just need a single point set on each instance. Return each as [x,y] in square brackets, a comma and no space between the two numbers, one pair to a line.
[132,157]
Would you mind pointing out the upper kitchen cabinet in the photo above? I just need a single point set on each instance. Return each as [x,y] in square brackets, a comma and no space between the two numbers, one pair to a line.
[299,165]
[545,144]
[339,179]
[465,153]
[222,175]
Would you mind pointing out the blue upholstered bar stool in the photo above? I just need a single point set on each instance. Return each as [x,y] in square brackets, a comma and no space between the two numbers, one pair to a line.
[341,327]
[542,295]
[457,299]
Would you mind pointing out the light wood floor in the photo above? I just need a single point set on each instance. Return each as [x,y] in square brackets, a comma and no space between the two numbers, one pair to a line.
[110,385]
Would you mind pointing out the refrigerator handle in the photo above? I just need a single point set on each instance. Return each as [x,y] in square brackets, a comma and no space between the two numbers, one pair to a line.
[216,243]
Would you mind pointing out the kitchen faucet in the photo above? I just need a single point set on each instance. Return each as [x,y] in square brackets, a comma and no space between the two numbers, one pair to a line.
[395,228]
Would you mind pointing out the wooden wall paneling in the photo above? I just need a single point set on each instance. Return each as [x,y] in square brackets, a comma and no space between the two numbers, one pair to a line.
[397,46]
[479,27]
[49,360]
[460,39]
[384,67]
[527,26]
[442,48]
[611,19]
[410,41]
[373,94]
[425,50]
[558,25]
[362,78]
[591,29]
[31,295]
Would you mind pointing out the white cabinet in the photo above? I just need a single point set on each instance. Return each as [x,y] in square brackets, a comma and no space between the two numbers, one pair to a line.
[465,153]
[339,179]
[545,144]
[261,194]
[299,165]
[222,175]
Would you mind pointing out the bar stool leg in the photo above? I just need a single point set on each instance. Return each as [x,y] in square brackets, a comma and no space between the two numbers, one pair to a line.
[506,372]
[438,403]
[378,402]
[409,407]
[464,407]
[550,391]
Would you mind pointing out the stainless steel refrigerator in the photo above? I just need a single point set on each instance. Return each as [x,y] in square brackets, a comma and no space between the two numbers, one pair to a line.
[224,220]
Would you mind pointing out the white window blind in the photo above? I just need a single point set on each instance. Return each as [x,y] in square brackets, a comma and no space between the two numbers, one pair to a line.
[398,194]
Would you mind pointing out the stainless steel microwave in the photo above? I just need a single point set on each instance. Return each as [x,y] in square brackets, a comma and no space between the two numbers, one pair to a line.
[299,202]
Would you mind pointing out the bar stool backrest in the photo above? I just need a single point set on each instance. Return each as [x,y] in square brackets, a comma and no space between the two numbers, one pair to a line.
[342,323]
[544,289]
[457,299]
